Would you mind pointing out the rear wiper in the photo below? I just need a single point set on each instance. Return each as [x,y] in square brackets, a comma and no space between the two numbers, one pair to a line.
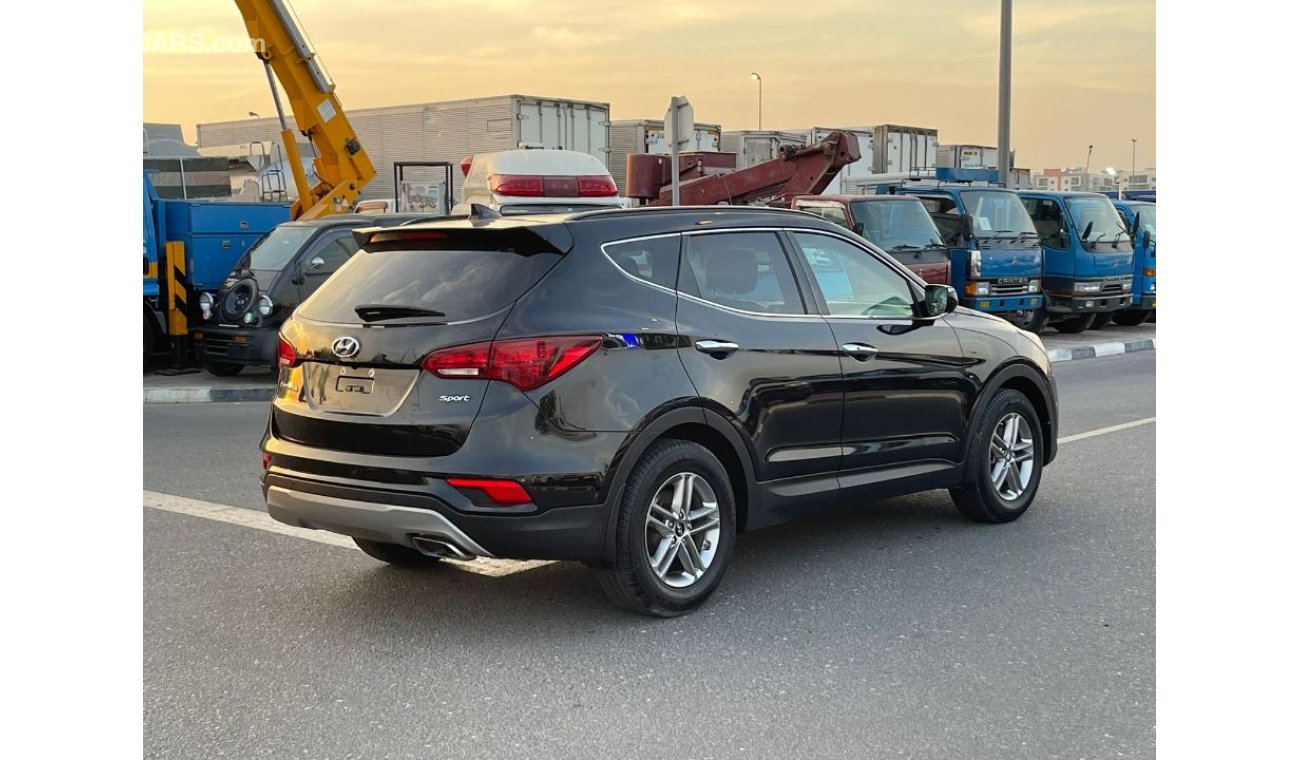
[377,312]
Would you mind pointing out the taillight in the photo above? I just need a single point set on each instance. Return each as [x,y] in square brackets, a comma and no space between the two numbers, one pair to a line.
[553,185]
[597,186]
[526,363]
[515,184]
[266,460]
[503,492]
[465,164]
[285,355]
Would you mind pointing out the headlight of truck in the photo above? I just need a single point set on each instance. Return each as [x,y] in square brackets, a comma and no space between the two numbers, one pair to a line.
[1087,287]
[264,306]
[977,288]
[1128,286]
[976,262]
[205,304]
[249,318]
[1033,286]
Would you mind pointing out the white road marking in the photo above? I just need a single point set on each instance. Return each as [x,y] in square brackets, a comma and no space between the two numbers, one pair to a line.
[1105,430]
[251,518]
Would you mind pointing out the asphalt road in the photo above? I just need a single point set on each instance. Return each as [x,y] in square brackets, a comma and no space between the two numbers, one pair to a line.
[894,630]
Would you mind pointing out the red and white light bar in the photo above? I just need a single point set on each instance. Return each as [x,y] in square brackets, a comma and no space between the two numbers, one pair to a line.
[553,185]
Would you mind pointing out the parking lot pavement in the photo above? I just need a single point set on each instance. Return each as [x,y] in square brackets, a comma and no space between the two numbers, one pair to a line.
[259,385]
[897,629]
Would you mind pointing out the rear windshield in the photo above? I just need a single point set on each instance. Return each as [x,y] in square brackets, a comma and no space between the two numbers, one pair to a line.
[445,284]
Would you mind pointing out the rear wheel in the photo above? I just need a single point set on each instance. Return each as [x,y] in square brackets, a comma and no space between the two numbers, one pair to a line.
[222,369]
[1101,320]
[1006,461]
[1074,324]
[676,529]
[402,556]
[1131,317]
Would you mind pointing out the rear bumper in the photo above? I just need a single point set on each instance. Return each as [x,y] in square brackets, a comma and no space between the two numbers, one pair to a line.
[235,345]
[378,514]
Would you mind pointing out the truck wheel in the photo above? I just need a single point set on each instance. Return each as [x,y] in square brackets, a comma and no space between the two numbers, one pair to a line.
[1033,321]
[1005,463]
[1073,324]
[1131,317]
[393,554]
[1101,320]
[676,528]
[222,369]
[148,339]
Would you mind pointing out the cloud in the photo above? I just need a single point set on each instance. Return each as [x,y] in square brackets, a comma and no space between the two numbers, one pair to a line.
[568,38]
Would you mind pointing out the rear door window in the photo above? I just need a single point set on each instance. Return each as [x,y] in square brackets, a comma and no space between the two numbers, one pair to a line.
[742,270]
[451,279]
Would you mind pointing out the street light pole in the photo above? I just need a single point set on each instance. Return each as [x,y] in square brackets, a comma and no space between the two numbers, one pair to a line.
[754,76]
[1134,166]
[1004,98]
[1087,180]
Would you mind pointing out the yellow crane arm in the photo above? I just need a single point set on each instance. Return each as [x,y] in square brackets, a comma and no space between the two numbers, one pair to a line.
[341,163]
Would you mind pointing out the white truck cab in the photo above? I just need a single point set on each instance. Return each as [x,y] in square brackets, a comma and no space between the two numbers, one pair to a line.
[537,181]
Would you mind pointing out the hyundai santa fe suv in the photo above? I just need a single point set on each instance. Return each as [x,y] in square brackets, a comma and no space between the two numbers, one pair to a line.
[633,388]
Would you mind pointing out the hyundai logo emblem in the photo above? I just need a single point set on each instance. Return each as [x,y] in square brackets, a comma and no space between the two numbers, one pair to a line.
[346,347]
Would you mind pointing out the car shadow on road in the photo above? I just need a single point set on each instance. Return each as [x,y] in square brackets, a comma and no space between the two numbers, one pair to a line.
[774,567]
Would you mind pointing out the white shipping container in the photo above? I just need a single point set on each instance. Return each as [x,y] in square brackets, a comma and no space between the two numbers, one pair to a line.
[900,149]
[632,136]
[448,131]
[969,157]
[754,146]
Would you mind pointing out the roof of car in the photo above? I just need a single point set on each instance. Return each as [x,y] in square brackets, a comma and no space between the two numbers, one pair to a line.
[365,220]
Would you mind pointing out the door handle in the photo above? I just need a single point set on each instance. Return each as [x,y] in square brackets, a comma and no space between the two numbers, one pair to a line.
[718,349]
[860,351]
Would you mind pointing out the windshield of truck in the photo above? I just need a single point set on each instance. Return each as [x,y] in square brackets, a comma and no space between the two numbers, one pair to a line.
[997,214]
[1097,211]
[278,247]
[896,225]
[1147,219]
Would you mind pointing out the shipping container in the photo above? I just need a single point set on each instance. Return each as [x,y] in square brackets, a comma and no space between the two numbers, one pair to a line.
[903,149]
[633,136]
[754,146]
[969,157]
[448,131]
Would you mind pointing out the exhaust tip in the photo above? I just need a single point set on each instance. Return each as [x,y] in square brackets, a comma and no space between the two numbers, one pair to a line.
[438,546]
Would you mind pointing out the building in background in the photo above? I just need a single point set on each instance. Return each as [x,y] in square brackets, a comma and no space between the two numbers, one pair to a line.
[1098,182]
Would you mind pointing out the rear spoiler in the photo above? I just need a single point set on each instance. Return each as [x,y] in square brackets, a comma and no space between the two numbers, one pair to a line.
[555,237]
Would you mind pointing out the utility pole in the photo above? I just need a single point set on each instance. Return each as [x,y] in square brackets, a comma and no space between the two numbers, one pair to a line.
[1004,98]
[1087,178]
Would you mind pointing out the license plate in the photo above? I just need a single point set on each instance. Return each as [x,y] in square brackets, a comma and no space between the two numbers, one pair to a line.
[363,385]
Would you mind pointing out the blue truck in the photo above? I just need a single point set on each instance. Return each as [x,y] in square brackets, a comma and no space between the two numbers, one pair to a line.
[1140,218]
[190,246]
[1087,257]
[996,264]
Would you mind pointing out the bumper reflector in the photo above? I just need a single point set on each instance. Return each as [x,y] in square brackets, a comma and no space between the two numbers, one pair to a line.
[503,492]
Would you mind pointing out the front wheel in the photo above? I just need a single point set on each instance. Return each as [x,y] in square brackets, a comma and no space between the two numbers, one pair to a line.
[1005,462]
[1132,317]
[676,529]
[1101,320]
[1033,321]
[1073,324]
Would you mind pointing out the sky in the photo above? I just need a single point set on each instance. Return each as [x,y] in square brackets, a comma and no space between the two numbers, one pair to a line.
[1083,71]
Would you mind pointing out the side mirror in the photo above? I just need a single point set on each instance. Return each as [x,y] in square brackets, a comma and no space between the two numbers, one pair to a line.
[966,227]
[316,263]
[938,300]
[859,228]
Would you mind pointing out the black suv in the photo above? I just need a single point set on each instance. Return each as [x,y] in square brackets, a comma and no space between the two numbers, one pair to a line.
[240,322]
[632,388]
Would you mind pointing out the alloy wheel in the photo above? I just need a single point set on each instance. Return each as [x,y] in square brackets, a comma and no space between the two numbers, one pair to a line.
[1011,456]
[682,528]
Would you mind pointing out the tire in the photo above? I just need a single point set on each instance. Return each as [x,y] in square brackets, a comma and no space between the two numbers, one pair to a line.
[148,340]
[982,498]
[393,554]
[1034,323]
[221,369]
[664,470]
[1073,325]
[1132,317]
[1101,320]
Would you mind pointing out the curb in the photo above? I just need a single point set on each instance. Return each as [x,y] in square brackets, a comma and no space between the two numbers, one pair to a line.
[206,394]
[1095,350]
